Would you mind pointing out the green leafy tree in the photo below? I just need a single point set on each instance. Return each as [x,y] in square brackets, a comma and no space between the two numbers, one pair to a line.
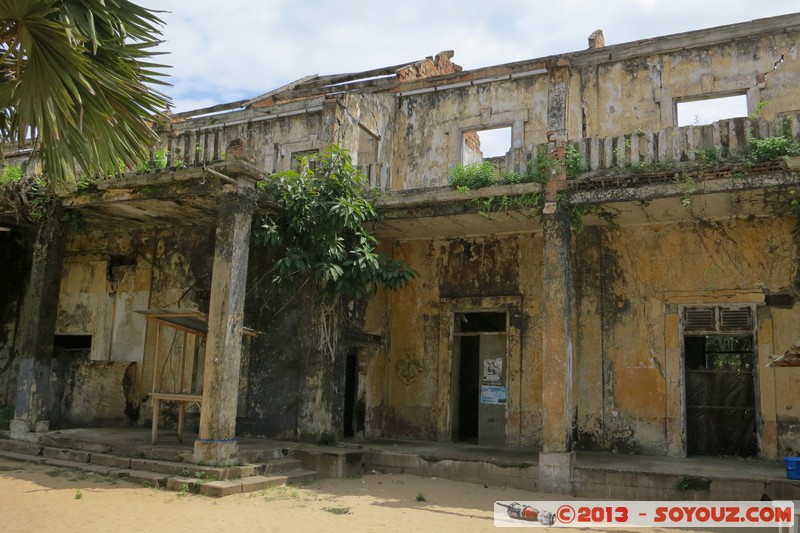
[78,81]
[319,231]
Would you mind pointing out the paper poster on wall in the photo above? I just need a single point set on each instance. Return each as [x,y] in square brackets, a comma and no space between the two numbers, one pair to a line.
[492,369]
[493,395]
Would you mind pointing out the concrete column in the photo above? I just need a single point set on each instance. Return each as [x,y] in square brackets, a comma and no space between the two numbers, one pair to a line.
[37,329]
[217,442]
[558,316]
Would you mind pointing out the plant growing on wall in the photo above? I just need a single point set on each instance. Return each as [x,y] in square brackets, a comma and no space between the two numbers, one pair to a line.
[573,162]
[474,176]
[772,148]
[320,237]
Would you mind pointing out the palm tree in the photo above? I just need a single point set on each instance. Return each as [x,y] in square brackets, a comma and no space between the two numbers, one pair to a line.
[77,81]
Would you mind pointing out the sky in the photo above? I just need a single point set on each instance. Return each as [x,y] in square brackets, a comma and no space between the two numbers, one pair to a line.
[223,51]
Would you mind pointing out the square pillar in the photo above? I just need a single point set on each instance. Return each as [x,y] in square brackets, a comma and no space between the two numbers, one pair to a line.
[217,442]
[558,310]
[555,472]
[37,317]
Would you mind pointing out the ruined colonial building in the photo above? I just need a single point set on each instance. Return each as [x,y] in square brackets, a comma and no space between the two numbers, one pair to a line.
[628,298]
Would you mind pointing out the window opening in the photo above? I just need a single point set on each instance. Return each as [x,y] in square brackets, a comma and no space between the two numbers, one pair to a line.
[701,111]
[486,145]
[296,156]
[72,343]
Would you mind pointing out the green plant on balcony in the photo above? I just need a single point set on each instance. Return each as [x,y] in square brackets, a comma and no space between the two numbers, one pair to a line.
[772,148]
[541,168]
[574,162]
[474,176]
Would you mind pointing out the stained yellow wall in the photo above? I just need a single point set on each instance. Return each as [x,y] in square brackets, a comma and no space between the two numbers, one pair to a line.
[628,334]
[458,275]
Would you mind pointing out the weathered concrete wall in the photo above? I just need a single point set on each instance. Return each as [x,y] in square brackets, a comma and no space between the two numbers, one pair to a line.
[291,386]
[95,393]
[593,95]
[639,93]
[626,391]
[433,124]
[107,277]
[461,275]
[15,265]
[625,280]
[366,127]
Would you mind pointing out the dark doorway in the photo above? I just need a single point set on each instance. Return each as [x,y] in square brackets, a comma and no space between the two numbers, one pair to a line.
[469,389]
[720,395]
[350,395]
[479,378]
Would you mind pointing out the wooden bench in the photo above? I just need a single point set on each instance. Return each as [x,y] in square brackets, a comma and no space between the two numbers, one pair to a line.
[181,399]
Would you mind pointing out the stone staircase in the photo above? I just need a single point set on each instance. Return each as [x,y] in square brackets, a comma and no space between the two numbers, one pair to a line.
[269,470]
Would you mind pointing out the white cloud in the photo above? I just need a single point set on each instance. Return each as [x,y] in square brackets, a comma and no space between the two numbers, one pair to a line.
[224,51]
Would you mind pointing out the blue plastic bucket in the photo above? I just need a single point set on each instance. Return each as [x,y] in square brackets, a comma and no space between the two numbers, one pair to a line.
[792,467]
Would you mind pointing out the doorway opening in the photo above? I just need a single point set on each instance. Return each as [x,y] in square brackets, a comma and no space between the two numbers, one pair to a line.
[719,382]
[350,395]
[479,389]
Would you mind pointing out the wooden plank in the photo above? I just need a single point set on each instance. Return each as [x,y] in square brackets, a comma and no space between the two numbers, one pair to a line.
[383,83]
[287,87]
[334,79]
[207,110]
[176,397]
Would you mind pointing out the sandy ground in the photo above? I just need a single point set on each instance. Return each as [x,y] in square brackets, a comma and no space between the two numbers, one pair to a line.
[39,498]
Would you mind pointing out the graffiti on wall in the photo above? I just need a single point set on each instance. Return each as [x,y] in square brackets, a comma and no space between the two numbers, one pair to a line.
[408,370]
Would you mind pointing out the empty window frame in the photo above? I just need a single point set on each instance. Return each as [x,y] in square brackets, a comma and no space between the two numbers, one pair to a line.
[488,144]
[707,110]
[296,156]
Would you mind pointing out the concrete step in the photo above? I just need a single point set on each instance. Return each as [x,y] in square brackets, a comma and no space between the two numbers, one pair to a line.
[261,456]
[296,477]
[218,489]
[65,464]
[22,457]
[143,477]
[277,466]
[173,475]
[20,447]
[193,470]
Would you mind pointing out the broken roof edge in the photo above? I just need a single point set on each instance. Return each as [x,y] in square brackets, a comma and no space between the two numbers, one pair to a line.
[317,85]
[388,80]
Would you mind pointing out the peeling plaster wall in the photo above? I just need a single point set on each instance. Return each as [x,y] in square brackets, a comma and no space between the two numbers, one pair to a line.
[638,93]
[107,277]
[292,388]
[599,97]
[624,275]
[623,279]
[457,275]
[370,118]
[433,123]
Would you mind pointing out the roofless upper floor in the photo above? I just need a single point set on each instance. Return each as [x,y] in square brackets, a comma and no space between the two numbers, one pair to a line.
[408,125]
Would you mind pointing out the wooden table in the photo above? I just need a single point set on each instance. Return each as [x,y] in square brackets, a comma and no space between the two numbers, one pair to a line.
[179,398]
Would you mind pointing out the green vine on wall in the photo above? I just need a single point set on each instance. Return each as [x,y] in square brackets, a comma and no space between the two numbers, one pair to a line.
[530,204]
